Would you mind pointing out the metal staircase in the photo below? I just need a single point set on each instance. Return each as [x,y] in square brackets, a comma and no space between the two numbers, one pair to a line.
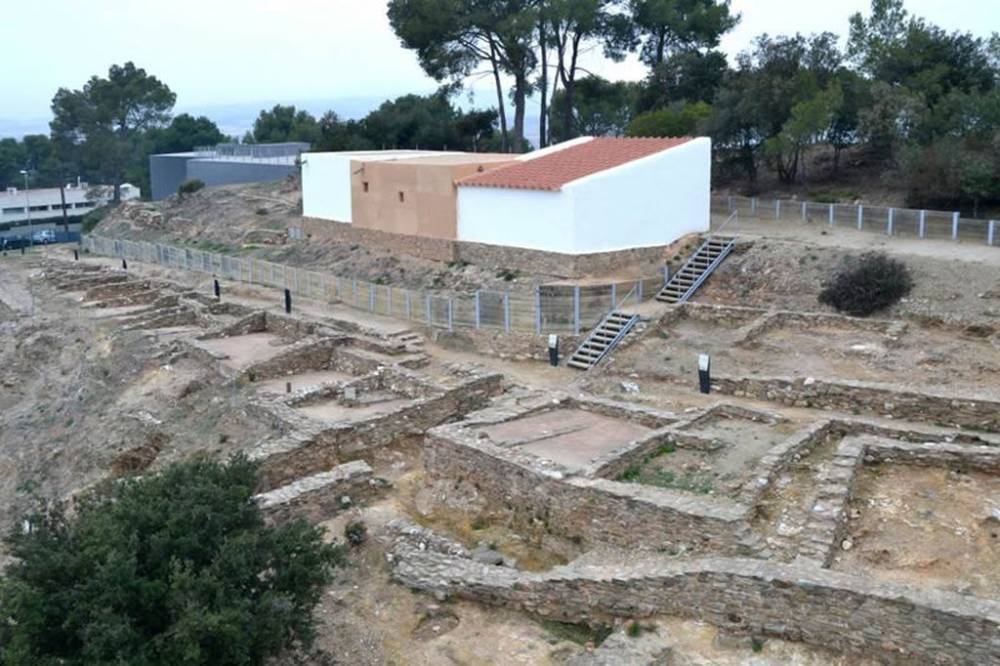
[605,337]
[706,259]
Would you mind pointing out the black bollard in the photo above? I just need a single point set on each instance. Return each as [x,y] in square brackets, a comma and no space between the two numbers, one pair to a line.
[76,255]
[218,290]
[22,251]
[288,301]
[554,350]
[124,265]
[704,373]
[288,387]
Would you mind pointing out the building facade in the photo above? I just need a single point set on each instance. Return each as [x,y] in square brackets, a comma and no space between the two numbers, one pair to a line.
[223,164]
[18,205]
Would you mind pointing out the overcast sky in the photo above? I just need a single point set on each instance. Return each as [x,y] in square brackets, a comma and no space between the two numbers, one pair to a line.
[215,52]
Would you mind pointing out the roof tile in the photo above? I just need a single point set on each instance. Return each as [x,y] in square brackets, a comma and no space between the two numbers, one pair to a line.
[552,171]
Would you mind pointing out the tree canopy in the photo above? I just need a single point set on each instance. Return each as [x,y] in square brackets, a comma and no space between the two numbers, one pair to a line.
[102,126]
[173,568]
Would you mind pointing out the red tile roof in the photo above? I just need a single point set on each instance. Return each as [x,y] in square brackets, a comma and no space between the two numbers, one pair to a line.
[552,171]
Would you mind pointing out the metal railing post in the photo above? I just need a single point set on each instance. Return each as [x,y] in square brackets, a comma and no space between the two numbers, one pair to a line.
[922,225]
[753,206]
[614,295]
[538,310]
[831,215]
[371,297]
[888,225]
[451,312]
[388,300]
[861,217]
[954,226]
[804,205]
[638,292]
[777,209]
[477,309]
[430,319]
[991,233]
[409,305]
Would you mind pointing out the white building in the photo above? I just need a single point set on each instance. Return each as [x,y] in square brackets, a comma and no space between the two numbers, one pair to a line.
[588,195]
[46,203]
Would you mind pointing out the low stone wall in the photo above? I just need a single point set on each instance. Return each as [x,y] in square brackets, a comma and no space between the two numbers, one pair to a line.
[320,496]
[898,402]
[320,447]
[539,492]
[857,616]
[507,345]
[651,259]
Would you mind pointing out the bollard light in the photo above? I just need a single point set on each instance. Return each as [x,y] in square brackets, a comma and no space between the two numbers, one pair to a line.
[554,350]
[288,301]
[704,373]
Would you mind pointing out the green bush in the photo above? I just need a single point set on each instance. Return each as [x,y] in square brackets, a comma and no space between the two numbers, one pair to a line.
[173,568]
[866,284]
[190,186]
[93,218]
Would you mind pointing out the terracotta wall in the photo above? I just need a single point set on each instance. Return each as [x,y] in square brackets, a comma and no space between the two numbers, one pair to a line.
[407,197]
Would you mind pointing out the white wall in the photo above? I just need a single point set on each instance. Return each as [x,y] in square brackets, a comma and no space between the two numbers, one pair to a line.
[326,180]
[532,219]
[650,201]
[647,202]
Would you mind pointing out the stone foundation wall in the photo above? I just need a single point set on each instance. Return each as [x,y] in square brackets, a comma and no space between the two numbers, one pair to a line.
[318,497]
[507,345]
[592,510]
[857,616]
[291,458]
[898,402]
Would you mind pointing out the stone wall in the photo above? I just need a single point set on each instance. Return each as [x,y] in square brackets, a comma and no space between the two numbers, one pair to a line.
[537,492]
[320,496]
[507,345]
[857,616]
[435,249]
[321,447]
[898,402]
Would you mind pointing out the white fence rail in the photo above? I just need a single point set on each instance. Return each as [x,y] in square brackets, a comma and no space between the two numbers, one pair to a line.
[890,221]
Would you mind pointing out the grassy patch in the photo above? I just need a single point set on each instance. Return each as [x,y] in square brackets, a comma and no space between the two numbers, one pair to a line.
[580,634]
[665,478]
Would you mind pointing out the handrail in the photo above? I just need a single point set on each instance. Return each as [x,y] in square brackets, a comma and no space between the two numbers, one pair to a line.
[704,275]
[711,233]
[617,339]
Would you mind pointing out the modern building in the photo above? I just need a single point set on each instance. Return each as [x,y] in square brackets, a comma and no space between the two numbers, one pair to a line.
[223,164]
[47,203]
[585,196]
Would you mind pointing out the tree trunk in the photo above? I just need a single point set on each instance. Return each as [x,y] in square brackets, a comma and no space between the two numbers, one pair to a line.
[569,85]
[504,147]
[544,111]
[62,200]
[520,99]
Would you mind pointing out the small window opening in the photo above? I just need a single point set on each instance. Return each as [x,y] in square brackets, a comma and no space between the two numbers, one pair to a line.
[365,185]
[401,197]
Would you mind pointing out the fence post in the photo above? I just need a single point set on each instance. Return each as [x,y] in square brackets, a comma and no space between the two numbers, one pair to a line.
[753,206]
[576,310]
[991,234]
[409,306]
[861,217]
[371,297]
[430,320]
[506,311]
[922,229]
[451,310]
[354,286]
[777,209]
[888,228]
[477,309]
[388,300]
[666,275]
[614,295]
[832,218]
[730,204]
[954,226]
[538,310]
[638,292]
[804,204]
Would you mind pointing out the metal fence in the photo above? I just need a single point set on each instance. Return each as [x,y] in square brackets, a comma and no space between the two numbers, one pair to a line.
[545,309]
[885,220]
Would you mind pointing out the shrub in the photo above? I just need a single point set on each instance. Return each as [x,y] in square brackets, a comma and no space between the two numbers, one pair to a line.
[190,186]
[867,284]
[171,568]
[355,533]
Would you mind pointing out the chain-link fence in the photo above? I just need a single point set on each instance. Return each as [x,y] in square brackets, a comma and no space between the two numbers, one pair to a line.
[546,309]
[878,219]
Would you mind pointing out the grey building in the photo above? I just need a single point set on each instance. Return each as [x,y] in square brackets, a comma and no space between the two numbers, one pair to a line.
[224,164]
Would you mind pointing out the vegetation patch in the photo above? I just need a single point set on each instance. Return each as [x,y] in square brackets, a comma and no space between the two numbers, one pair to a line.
[581,634]
[866,284]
